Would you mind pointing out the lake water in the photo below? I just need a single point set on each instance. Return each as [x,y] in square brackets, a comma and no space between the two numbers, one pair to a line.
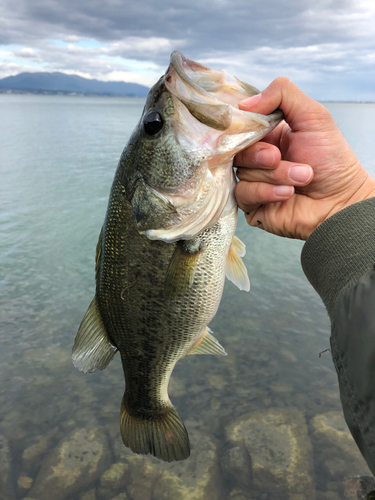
[265,422]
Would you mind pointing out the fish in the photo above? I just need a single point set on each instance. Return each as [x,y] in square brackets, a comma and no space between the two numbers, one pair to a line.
[166,245]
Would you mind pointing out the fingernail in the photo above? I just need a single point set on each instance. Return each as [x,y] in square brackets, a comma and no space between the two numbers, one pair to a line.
[283,191]
[250,101]
[300,173]
[265,157]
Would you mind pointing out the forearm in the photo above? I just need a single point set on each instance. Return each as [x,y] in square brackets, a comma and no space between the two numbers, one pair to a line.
[339,261]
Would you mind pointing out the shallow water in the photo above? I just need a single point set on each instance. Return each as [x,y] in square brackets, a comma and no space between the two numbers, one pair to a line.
[57,160]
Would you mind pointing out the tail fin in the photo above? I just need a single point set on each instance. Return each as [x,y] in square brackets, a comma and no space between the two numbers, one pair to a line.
[163,436]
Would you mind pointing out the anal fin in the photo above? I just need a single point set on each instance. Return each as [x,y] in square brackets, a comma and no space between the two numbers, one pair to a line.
[207,344]
[92,348]
[235,269]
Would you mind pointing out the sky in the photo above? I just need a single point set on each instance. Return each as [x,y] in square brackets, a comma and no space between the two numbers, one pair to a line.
[327,47]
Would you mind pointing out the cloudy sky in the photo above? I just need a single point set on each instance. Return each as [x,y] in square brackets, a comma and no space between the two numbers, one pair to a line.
[327,47]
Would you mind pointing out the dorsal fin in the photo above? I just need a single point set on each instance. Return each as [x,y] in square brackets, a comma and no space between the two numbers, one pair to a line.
[207,344]
[92,348]
[235,269]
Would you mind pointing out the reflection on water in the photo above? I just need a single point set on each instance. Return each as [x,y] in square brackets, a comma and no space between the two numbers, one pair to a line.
[265,422]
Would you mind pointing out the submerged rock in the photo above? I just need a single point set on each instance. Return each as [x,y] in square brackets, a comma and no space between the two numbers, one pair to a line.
[336,446]
[238,494]
[287,355]
[40,447]
[176,387]
[328,495]
[217,382]
[113,479]
[121,496]
[359,488]
[236,463]
[196,478]
[6,492]
[77,461]
[88,495]
[280,450]
[24,482]
[51,357]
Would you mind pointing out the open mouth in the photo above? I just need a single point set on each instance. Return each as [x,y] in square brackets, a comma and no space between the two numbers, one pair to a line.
[208,119]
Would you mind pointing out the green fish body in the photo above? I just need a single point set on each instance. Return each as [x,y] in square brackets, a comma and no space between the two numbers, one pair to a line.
[166,245]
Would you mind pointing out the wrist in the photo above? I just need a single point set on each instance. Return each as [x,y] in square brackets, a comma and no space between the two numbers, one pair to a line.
[360,190]
[365,191]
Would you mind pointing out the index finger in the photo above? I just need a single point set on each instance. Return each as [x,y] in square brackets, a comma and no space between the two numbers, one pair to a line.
[300,110]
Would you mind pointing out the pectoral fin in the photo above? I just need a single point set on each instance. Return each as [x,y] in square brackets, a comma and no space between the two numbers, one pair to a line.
[235,270]
[207,344]
[92,348]
[181,270]
[238,246]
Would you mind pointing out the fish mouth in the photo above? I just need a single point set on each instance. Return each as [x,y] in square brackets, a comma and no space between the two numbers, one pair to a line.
[209,125]
[206,85]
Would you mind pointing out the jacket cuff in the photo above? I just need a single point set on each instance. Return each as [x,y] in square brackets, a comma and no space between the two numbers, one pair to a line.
[340,250]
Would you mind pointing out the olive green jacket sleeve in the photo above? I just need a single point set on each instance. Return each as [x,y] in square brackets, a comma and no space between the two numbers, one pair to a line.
[339,261]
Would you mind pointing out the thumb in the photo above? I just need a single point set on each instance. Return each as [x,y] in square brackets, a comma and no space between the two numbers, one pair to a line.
[301,112]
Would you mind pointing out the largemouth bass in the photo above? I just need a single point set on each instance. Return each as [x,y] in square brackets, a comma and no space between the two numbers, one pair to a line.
[166,245]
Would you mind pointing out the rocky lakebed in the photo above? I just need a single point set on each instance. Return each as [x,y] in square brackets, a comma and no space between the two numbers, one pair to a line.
[275,451]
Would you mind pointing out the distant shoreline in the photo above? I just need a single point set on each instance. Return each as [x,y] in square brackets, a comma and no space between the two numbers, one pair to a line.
[63,92]
[349,102]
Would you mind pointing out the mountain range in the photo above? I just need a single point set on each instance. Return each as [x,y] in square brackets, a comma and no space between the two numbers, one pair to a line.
[53,83]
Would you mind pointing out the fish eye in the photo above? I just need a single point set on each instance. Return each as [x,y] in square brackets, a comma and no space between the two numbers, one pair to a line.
[152,123]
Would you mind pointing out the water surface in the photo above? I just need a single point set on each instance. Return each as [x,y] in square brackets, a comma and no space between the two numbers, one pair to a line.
[58,155]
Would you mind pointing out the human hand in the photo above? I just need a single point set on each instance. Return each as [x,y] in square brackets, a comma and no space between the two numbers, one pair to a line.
[301,173]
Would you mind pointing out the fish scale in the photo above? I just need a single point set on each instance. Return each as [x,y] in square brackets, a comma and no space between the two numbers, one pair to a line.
[166,245]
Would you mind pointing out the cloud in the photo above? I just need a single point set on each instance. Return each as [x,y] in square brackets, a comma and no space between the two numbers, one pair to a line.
[26,53]
[141,47]
[218,24]
[312,41]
